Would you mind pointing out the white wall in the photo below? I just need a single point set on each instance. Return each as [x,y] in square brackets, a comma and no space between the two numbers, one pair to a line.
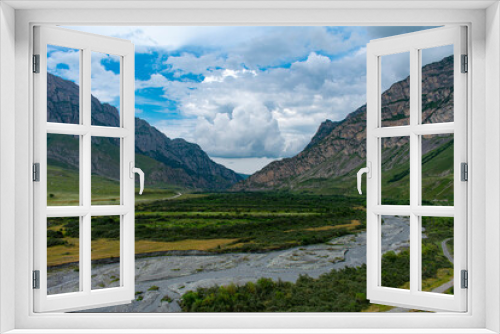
[492,147]
[7,161]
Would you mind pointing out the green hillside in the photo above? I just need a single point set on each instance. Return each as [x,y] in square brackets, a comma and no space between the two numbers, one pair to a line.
[63,173]
[437,177]
[62,190]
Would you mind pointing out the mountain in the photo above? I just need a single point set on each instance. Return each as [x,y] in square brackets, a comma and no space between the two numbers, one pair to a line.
[165,161]
[338,149]
[324,130]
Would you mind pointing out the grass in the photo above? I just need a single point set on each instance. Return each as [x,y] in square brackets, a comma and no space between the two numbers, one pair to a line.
[63,189]
[378,308]
[219,223]
[444,275]
[106,248]
[62,254]
[351,226]
[437,175]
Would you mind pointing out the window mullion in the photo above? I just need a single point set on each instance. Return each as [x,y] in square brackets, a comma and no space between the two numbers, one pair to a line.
[415,179]
[86,162]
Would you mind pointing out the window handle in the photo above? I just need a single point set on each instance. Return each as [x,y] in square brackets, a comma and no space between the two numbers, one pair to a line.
[368,171]
[139,171]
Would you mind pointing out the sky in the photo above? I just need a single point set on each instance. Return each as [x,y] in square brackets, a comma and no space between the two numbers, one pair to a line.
[246,95]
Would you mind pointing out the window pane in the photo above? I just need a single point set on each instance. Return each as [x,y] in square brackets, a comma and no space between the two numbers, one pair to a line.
[105,252]
[395,88]
[395,251]
[105,171]
[437,254]
[63,255]
[437,84]
[437,170]
[395,170]
[105,88]
[63,170]
[63,70]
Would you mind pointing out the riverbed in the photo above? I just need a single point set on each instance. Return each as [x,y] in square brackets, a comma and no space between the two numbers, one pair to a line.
[162,280]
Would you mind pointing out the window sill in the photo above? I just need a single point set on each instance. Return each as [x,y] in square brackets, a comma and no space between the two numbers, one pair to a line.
[253,331]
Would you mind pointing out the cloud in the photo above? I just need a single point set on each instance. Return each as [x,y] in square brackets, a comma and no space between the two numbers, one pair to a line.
[229,105]
[64,62]
[105,83]
[178,128]
[253,91]
[244,165]
[394,68]
[281,45]
[189,63]
[249,131]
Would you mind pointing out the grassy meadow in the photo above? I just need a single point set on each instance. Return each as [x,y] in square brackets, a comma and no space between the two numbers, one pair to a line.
[215,222]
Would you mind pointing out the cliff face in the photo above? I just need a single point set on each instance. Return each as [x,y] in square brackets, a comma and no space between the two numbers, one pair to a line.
[338,149]
[164,160]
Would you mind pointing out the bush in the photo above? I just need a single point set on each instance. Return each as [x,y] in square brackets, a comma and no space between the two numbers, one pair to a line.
[55,242]
[338,291]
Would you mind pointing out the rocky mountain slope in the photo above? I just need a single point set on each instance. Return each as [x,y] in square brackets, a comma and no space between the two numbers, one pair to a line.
[338,149]
[165,161]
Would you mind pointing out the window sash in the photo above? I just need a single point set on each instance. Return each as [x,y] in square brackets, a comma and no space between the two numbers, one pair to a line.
[412,43]
[86,297]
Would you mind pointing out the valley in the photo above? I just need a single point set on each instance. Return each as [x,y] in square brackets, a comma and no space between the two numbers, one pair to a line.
[201,242]
[288,238]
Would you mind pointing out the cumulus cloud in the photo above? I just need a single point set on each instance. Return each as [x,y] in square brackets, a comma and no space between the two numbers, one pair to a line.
[64,62]
[249,131]
[278,45]
[189,63]
[178,128]
[270,112]
[250,92]
[105,84]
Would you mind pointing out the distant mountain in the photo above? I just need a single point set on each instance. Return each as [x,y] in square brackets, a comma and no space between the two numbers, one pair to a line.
[338,149]
[165,161]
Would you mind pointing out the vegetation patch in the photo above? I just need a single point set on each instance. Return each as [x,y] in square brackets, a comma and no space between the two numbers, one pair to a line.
[341,290]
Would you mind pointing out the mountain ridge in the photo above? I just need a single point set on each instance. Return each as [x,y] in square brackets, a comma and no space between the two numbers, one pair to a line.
[165,161]
[338,148]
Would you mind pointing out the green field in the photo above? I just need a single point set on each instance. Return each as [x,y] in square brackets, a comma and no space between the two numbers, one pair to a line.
[259,222]
[63,188]
[220,223]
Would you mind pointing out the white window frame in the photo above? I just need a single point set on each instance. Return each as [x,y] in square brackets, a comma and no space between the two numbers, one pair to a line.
[412,44]
[86,43]
[484,102]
